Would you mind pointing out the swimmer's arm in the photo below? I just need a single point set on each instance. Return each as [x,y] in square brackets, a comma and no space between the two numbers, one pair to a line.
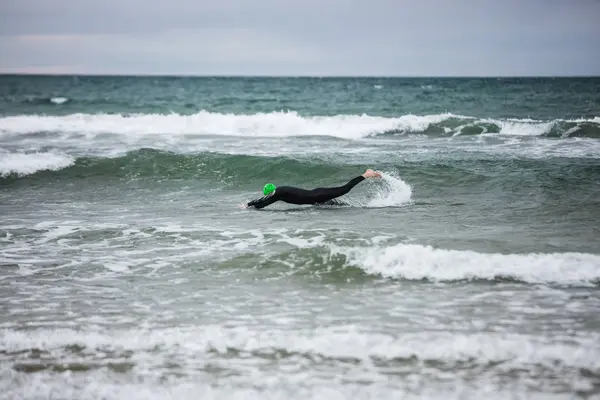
[355,181]
[264,201]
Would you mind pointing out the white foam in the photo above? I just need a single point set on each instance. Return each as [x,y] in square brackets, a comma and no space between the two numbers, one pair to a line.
[413,261]
[307,355]
[524,127]
[274,124]
[96,385]
[59,100]
[393,192]
[341,341]
[29,163]
[532,127]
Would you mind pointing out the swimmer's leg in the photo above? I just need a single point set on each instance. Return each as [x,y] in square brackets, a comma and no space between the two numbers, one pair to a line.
[323,195]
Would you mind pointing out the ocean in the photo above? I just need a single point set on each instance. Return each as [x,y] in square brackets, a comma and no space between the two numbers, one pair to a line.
[130,268]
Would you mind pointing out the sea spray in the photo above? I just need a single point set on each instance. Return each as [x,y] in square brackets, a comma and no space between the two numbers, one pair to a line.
[392,191]
[388,191]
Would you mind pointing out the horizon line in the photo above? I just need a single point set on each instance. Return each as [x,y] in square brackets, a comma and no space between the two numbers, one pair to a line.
[178,75]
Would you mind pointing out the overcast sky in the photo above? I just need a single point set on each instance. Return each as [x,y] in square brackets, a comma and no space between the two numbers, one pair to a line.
[301,37]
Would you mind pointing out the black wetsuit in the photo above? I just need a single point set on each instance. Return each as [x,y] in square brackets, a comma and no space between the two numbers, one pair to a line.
[294,195]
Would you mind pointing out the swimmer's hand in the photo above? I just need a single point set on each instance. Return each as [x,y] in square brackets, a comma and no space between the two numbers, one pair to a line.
[371,174]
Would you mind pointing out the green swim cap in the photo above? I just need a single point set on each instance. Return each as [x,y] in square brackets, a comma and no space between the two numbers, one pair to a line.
[269,187]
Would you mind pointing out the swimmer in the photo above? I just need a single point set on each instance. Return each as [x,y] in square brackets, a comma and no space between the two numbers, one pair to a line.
[294,195]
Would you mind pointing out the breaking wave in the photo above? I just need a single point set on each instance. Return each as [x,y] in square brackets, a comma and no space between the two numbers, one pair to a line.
[287,124]
[22,164]
[417,262]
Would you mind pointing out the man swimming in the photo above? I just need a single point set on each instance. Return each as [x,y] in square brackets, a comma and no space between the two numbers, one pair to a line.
[294,195]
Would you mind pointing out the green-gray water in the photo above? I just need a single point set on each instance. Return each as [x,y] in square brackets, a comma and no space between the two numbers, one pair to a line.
[129,268]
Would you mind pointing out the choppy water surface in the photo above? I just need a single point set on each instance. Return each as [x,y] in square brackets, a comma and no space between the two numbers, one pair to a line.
[129,268]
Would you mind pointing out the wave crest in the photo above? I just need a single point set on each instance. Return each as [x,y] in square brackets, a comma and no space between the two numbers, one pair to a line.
[418,262]
[291,123]
[22,164]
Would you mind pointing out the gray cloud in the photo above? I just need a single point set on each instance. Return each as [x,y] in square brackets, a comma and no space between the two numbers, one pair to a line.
[356,37]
